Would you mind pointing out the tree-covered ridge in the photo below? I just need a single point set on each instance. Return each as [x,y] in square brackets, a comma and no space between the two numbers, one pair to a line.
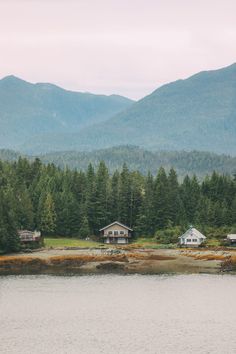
[198,113]
[30,110]
[76,203]
[137,159]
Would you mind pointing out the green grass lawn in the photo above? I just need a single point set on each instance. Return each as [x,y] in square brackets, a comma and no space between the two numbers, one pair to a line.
[69,242]
[213,242]
[145,241]
[150,242]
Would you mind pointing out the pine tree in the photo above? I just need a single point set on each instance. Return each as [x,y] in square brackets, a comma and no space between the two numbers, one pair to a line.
[233,212]
[90,197]
[190,195]
[48,215]
[68,214]
[9,239]
[113,202]
[147,217]
[101,212]
[161,205]
[125,196]
[176,210]
[84,230]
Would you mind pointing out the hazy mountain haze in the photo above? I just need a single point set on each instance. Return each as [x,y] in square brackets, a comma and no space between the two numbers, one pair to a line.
[29,110]
[106,46]
[198,113]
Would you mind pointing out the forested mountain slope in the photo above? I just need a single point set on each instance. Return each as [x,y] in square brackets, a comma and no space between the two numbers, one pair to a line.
[32,111]
[198,113]
[195,162]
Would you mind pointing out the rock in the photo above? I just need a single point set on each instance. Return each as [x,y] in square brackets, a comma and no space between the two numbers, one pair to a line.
[111,251]
[28,250]
[110,266]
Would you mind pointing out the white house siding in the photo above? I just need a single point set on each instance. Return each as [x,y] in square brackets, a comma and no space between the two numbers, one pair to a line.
[191,242]
[192,237]
[120,240]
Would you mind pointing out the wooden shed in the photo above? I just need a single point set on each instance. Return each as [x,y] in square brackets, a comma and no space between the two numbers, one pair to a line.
[29,236]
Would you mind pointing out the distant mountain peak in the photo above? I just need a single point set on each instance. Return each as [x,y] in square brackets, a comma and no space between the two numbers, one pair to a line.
[10,77]
[198,113]
[28,110]
[12,80]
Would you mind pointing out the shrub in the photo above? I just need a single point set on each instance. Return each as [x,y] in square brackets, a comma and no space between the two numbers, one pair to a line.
[169,235]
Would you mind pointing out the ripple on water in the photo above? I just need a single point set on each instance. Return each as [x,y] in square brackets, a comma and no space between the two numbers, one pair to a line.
[118,314]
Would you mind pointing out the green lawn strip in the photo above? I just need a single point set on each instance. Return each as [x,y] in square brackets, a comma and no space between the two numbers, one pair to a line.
[69,242]
[150,242]
[213,242]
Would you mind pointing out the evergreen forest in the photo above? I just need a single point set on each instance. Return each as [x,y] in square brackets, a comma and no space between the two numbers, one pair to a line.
[63,202]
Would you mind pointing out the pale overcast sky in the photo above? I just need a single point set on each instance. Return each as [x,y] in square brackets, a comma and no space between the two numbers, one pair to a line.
[128,47]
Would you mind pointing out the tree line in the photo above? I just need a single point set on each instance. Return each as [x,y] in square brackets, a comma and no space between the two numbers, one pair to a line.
[138,159]
[65,202]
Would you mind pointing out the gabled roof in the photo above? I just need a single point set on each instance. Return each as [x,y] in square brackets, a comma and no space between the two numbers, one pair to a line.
[116,223]
[192,232]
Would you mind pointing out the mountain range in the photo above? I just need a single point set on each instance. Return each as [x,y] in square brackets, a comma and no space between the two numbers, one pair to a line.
[198,113]
[30,112]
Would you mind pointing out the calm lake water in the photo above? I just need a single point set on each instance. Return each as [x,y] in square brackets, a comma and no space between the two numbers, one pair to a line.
[118,314]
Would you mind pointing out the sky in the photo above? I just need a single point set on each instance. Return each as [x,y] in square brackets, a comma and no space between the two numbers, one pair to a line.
[126,47]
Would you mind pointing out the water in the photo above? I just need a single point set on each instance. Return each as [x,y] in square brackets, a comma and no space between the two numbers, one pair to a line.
[118,314]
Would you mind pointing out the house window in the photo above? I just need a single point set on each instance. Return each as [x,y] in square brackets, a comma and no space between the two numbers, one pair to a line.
[115,233]
[188,239]
[195,240]
[122,232]
[109,232]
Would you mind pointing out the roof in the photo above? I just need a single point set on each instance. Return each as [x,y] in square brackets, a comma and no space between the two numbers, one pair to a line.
[231,236]
[192,232]
[118,223]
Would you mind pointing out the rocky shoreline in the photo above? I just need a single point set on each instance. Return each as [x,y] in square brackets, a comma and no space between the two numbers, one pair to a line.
[118,260]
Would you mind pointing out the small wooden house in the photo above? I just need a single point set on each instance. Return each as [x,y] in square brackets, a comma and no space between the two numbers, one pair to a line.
[231,238]
[116,233]
[29,236]
[192,237]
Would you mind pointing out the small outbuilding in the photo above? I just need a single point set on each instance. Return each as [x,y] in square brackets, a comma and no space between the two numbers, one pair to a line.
[29,236]
[231,238]
[116,233]
[192,237]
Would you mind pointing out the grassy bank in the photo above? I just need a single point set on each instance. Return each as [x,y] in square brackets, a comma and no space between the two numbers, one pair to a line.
[69,242]
[142,242]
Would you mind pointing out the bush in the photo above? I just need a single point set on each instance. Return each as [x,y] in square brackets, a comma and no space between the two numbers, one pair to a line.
[170,235]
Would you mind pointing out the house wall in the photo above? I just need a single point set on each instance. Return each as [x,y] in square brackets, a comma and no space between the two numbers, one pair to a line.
[184,241]
[231,238]
[119,240]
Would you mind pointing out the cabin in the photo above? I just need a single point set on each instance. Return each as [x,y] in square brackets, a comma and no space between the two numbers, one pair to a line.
[116,233]
[32,237]
[192,238]
[231,238]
